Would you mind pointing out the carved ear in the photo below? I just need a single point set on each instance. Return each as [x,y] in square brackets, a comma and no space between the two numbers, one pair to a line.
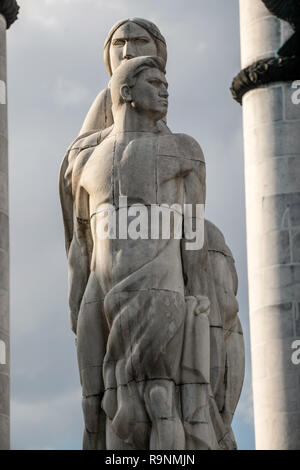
[126,93]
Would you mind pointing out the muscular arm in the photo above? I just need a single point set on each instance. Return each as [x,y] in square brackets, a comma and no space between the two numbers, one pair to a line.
[78,238]
[79,258]
[194,194]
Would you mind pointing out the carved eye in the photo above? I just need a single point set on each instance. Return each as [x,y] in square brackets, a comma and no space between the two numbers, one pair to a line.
[141,41]
[119,42]
[155,83]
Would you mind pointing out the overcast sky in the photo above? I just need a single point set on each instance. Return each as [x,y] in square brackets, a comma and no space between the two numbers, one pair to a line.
[55,69]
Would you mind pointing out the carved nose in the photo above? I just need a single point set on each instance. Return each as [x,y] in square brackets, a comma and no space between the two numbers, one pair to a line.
[128,52]
[164,93]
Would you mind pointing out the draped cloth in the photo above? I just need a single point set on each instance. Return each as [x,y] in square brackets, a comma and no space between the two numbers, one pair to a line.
[146,325]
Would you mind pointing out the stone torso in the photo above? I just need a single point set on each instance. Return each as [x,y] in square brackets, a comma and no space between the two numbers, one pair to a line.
[122,165]
[147,169]
[141,166]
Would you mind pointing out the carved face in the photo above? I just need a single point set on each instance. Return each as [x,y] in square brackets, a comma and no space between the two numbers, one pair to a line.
[130,41]
[150,93]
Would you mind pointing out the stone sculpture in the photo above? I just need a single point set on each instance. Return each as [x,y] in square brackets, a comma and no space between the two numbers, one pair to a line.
[159,342]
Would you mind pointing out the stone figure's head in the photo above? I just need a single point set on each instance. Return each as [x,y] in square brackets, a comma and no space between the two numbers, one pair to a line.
[141,84]
[130,38]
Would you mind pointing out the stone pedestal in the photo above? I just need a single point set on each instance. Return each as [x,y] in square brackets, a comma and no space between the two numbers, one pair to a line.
[272,176]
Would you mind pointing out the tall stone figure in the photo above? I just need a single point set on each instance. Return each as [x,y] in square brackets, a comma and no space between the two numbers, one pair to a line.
[8,14]
[152,286]
[267,87]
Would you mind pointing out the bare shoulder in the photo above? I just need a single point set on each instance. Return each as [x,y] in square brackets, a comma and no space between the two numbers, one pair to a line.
[181,145]
[84,146]
[191,146]
[86,140]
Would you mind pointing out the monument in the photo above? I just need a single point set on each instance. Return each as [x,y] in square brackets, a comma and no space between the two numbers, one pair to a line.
[267,88]
[8,14]
[152,285]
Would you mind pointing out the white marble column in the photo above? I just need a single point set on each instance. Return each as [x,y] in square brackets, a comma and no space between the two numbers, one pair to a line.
[4,249]
[272,176]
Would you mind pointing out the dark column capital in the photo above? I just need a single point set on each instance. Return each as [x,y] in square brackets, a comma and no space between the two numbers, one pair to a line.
[9,9]
[285,66]
[265,72]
